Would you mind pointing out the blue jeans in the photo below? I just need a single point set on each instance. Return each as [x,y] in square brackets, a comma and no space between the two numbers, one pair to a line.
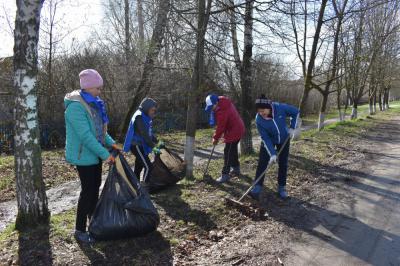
[283,158]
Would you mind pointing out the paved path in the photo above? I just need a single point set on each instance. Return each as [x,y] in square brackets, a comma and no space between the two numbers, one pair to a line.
[366,230]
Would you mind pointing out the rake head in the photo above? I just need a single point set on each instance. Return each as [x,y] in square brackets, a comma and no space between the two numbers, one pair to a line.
[251,210]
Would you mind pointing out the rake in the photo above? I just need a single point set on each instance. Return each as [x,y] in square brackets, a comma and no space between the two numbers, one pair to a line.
[208,162]
[238,202]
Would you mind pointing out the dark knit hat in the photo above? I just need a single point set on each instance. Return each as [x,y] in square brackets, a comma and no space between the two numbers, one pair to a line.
[263,103]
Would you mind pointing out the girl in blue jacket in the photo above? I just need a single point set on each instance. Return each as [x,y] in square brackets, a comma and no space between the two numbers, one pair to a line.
[271,125]
[140,139]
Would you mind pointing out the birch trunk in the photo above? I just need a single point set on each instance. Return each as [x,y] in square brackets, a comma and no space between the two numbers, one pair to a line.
[246,146]
[354,113]
[31,193]
[245,69]
[196,86]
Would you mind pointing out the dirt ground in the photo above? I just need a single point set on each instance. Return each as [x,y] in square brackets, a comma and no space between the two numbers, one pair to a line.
[197,228]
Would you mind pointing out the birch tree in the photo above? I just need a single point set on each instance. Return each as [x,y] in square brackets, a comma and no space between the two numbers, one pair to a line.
[31,194]
[245,69]
[197,83]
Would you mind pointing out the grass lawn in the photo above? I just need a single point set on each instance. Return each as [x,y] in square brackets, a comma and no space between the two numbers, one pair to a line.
[193,214]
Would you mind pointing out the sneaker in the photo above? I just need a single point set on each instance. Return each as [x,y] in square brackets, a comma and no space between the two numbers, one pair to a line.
[223,178]
[83,237]
[235,171]
[282,192]
[255,192]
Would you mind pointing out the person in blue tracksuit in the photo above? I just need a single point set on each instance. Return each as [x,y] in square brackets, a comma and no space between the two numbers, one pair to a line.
[272,126]
[140,139]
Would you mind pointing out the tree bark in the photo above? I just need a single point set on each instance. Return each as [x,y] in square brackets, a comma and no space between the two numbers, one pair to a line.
[31,193]
[196,86]
[338,104]
[140,26]
[140,19]
[380,100]
[148,69]
[245,69]
[127,33]
[354,113]
[321,118]
[371,102]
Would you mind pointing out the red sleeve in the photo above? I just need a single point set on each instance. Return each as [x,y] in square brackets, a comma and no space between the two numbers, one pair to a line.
[222,120]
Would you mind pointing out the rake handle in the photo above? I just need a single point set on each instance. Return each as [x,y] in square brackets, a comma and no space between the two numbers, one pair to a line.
[264,172]
[208,162]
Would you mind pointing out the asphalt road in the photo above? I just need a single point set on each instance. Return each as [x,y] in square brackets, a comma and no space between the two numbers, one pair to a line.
[366,229]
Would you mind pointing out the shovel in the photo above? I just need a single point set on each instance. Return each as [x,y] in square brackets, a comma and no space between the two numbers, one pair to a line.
[238,202]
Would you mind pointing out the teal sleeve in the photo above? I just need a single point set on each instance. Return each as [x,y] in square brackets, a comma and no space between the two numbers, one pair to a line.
[109,140]
[76,116]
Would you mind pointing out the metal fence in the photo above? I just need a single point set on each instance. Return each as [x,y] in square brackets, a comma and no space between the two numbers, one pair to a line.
[52,135]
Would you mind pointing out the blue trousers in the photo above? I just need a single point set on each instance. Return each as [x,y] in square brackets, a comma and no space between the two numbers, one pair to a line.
[283,158]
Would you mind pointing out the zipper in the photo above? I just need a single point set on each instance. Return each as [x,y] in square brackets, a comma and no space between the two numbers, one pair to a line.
[80,151]
[279,133]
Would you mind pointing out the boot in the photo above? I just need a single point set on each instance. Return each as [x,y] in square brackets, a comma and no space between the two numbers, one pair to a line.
[235,171]
[255,192]
[83,237]
[282,192]
[223,178]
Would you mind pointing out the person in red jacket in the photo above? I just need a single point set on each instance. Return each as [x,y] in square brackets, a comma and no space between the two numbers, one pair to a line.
[231,128]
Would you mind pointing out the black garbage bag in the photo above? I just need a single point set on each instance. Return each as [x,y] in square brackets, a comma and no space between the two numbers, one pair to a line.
[124,208]
[168,169]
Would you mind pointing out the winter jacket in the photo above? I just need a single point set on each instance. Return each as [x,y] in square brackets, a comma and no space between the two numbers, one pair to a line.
[140,132]
[274,131]
[229,123]
[82,146]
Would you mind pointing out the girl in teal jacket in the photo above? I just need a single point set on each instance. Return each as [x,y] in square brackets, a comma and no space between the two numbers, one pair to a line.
[87,144]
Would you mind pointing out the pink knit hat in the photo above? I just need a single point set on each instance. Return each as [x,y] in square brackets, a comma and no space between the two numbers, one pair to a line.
[90,78]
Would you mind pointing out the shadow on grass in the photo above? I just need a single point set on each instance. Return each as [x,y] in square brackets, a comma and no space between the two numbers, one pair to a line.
[152,249]
[235,187]
[337,173]
[34,246]
[174,201]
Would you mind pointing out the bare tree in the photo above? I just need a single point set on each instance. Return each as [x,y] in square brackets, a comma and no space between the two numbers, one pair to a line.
[245,69]
[31,194]
[197,83]
[148,68]
[333,73]
[307,62]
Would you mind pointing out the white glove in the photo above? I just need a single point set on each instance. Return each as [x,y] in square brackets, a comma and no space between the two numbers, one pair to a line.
[294,133]
[272,159]
[291,132]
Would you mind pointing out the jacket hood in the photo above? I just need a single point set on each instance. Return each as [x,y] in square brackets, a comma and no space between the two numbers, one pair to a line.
[74,96]
[223,103]
[147,104]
